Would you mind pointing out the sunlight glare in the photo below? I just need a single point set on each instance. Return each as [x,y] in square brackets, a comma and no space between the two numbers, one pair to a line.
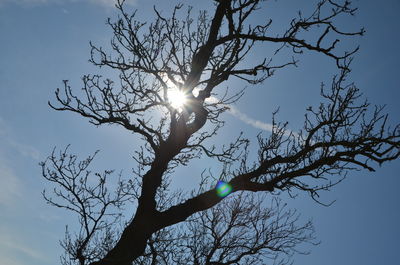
[177,98]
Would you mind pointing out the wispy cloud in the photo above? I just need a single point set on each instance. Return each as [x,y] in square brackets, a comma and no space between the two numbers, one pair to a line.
[10,190]
[8,260]
[24,2]
[6,140]
[13,250]
[25,150]
[248,120]
[105,3]
[255,123]
[25,250]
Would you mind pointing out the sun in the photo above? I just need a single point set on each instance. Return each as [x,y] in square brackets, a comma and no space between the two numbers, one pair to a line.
[177,98]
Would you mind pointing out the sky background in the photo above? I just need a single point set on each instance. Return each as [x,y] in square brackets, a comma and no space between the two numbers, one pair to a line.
[44,42]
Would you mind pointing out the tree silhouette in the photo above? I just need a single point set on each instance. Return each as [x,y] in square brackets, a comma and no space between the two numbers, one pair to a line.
[195,56]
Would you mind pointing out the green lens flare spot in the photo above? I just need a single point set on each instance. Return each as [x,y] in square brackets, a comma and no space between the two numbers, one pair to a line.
[223,189]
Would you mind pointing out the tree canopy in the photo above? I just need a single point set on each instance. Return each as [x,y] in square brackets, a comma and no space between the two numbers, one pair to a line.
[169,71]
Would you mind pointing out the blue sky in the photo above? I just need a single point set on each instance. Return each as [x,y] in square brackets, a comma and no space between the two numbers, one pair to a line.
[44,42]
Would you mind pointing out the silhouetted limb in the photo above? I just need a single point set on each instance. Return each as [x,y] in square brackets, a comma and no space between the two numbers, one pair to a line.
[343,134]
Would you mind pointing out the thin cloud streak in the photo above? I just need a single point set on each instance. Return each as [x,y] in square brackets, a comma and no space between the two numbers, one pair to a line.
[27,251]
[256,123]
[9,260]
[246,119]
[21,148]
[25,150]
[105,3]
[250,121]
[10,191]
[11,244]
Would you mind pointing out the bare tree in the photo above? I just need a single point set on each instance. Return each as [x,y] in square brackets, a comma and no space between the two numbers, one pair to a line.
[342,134]
[239,230]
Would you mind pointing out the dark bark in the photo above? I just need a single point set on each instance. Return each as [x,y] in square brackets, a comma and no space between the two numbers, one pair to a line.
[340,135]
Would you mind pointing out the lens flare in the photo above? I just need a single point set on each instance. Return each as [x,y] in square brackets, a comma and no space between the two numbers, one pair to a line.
[177,98]
[223,189]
